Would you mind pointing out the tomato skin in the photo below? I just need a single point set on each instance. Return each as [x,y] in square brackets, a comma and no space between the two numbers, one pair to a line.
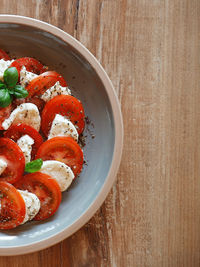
[63,149]
[4,114]
[13,208]
[17,101]
[37,101]
[31,64]
[43,82]
[12,154]
[65,105]
[46,189]
[4,55]
[18,130]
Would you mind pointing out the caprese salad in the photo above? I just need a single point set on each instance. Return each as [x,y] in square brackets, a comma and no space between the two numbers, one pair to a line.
[40,155]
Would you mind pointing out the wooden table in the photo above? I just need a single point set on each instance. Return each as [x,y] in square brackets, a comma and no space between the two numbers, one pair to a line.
[151,51]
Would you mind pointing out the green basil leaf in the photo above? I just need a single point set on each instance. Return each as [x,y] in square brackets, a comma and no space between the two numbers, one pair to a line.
[11,91]
[10,76]
[2,86]
[17,95]
[34,166]
[20,92]
[5,98]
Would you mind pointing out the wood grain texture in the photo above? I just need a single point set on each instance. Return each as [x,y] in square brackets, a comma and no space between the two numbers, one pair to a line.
[151,51]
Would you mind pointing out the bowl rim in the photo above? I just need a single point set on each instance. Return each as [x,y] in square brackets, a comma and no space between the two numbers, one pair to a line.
[118,144]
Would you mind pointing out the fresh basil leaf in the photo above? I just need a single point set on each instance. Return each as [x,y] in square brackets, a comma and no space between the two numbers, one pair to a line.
[11,91]
[5,98]
[34,166]
[10,76]
[20,92]
[2,86]
[17,95]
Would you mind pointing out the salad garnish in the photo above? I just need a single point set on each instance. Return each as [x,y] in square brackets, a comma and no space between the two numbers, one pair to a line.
[33,166]
[9,88]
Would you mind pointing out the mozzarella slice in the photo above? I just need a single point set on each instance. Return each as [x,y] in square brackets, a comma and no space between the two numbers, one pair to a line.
[25,143]
[25,113]
[26,76]
[3,166]
[55,90]
[59,171]
[32,203]
[62,127]
[4,64]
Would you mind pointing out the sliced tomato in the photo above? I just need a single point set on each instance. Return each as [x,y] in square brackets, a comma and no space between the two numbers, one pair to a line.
[4,55]
[31,64]
[65,105]
[43,82]
[13,208]
[18,130]
[46,189]
[4,114]
[63,149]
[17,101]
[14,157]
[37,101]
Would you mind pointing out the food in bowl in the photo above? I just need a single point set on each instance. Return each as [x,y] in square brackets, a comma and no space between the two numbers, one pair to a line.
[40,155]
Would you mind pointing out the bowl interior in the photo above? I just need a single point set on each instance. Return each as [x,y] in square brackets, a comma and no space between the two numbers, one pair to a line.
[85,84]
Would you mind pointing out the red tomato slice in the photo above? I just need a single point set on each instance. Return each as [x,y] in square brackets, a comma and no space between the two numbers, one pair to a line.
[13,208]
[35,100]
[18,130]
[17,101]
[4,114]
[12,154]
[31,64]
[4,55]
[46,189]
[65,105]
[43,82]
[63,149]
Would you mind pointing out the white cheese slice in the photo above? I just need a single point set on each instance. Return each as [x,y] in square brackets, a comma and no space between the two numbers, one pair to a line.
[25,143]
[27,113]
[4,64]
[32,203]
[3,166]
[26,76]
[62,127]
[55,90]
[59,171]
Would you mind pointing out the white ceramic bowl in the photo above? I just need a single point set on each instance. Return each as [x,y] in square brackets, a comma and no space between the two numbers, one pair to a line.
[24,36]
